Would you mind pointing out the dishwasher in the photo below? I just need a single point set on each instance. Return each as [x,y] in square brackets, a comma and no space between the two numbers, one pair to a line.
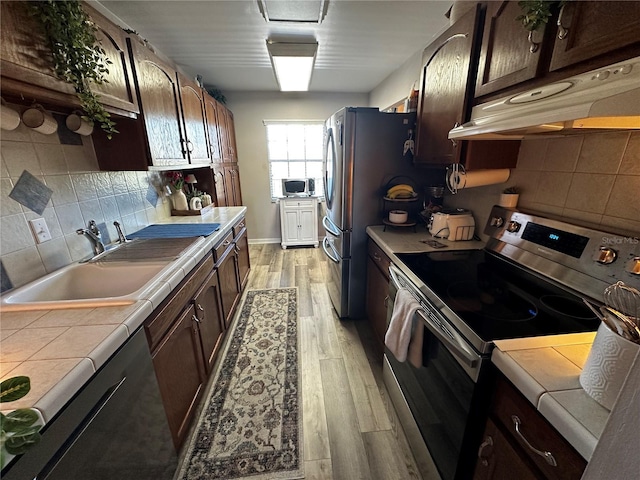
[115,427]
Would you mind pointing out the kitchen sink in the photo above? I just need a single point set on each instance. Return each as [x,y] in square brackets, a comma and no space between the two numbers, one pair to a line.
[86,285]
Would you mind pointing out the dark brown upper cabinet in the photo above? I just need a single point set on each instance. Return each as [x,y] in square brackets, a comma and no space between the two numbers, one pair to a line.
[579,37]
[214,129]
[446,89]
[509,54]
[27,65]
[192,99]
[587,30]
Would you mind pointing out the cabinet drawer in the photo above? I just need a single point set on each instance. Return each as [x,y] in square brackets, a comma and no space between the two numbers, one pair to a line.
[509,405]
[379,258]
[237,228]
[163,317]
[301,202]
[220,248]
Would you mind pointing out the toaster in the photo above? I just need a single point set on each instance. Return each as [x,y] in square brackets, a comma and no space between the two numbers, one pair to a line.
[455,224]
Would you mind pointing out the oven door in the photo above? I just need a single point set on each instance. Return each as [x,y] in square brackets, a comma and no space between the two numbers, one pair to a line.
[440,404]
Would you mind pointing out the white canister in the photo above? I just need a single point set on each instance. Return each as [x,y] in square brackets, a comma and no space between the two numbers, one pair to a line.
[79,125]
[607,366]
[38,119]
[10,119]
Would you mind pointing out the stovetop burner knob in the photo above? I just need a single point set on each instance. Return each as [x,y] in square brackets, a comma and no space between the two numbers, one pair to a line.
[605,255]
[633,266]
[497,222]
[513,227]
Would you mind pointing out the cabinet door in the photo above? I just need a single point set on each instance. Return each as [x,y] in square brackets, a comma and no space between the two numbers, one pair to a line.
[27,68]
[498,460]
[242,250]
[509,54]
[195,125]
[231,135]
[591,29]
[160,105]
[291,225]
[223,120]
[209,313]
[229,284]
[220,186]
[180,372]
[377,297]
[213,128]
[445,88]
[308,224]
[232,185]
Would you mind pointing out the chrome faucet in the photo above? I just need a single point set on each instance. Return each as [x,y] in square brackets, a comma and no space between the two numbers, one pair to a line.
[93,234]
[121,237]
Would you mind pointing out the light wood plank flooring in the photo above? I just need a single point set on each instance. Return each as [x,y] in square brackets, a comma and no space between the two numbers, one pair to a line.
[348,433]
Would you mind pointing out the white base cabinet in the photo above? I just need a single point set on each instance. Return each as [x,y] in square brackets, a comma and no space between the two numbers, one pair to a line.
[299,221]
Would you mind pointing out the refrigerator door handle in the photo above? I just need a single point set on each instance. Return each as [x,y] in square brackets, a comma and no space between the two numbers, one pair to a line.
[326,246]
[330,227]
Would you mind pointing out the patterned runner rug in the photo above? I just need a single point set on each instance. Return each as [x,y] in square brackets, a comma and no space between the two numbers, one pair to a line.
[251,425]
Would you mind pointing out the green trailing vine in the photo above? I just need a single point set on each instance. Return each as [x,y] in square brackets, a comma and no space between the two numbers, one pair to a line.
[536,13]
[78,57]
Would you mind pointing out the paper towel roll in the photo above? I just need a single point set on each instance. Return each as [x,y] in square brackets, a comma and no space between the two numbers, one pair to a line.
[477,178]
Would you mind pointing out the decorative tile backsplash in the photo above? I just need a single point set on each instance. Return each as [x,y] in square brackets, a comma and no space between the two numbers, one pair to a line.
[593,179]
[31,192]
[79,193]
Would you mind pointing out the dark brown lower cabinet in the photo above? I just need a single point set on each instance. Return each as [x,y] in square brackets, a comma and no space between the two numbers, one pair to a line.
[209,317]
[242,249]
[515,439]
[180,373]
[377,292]
[229,284]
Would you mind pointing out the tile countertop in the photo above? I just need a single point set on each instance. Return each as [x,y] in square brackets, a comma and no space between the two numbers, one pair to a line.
[545,369]
[60,350]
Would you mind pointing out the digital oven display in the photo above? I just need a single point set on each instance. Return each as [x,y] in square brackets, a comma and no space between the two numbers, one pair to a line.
[563,242]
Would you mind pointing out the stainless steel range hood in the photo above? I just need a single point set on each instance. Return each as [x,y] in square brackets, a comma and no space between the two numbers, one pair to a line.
[603,99]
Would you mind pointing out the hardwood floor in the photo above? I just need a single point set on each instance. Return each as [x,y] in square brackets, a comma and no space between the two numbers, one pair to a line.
[348,432]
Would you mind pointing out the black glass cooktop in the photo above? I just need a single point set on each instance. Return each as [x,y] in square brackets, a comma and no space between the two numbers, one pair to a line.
[499,300]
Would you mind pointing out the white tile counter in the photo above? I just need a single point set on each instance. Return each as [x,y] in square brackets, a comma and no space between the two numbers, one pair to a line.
[546,370]
[60,350]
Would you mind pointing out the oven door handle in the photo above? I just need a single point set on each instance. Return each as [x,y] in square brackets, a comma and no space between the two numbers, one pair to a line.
[453,343]
[467,357]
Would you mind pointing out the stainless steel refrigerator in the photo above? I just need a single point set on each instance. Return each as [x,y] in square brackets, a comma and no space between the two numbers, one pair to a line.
[363,150]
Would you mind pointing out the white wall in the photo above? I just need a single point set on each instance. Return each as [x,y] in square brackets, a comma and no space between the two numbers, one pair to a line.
[397,86]
[249,110]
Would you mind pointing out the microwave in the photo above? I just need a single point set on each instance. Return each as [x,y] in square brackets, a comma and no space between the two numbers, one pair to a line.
[298,187]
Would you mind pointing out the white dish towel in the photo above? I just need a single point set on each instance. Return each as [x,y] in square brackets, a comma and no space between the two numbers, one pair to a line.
[405,333]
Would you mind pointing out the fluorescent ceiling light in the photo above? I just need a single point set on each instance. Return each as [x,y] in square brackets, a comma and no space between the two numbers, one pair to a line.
[293,64]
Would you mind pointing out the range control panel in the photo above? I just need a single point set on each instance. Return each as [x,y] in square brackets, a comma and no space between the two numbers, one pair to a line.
[547,245]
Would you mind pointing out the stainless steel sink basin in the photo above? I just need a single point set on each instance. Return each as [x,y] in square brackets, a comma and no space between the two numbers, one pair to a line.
[84,285]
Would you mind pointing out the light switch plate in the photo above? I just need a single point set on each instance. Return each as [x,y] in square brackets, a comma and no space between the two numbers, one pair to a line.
[40,230]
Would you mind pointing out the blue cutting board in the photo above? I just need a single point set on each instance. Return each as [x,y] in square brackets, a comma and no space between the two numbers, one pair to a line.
[176,230]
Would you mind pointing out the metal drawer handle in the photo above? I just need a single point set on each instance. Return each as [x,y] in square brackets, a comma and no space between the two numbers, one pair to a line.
[199,307]
[533,47]
[226,243]
[386,301]
[563,31]
[377,257]
[488,442]
[548,457]
[194,318]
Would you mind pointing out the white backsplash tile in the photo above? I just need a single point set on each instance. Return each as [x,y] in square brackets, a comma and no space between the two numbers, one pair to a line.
[54,254]
[84,186]
[602,153]
[70,218]
[51,159]
[8,206]
[78,159]
[23,266]
[15,233]
[631,158]
[20,156]
[63,192]
[91,211]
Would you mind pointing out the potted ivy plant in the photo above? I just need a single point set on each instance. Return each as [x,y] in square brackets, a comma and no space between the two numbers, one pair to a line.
[20,429]
[509,197]
[78,58]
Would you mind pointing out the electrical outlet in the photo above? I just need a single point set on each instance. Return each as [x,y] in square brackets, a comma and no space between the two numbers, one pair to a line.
[40,230]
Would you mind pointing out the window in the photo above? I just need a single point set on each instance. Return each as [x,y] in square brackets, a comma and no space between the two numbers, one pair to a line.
[294,150]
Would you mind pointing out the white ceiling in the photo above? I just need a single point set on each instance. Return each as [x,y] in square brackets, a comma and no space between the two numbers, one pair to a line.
[360,42]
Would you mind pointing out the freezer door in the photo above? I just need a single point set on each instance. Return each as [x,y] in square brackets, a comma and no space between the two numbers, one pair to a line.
[338,278]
